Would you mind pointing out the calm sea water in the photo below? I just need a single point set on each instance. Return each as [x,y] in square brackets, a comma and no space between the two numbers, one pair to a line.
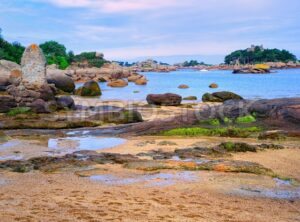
[283,83]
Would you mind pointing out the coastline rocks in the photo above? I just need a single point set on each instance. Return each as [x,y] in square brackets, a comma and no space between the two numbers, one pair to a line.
[6,68]
[61,81]
[256,69]
[65,102]
[141,81]
[7,103]
[90,88]
[119,117]
[213,86]
[134,77]
[190,98]
[168,99]
[220,97]
[118,83]
[183,86]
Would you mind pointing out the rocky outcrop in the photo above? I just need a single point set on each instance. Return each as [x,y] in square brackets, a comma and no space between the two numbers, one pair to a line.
[168,99]
[220,97]
[118,83]
[90,88]
[256,69]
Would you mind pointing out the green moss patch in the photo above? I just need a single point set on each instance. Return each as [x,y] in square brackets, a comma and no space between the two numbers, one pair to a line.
[19,110]
[223,132]
[245,119]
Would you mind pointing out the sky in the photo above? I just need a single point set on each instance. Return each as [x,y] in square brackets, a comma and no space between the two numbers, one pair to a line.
[167,30]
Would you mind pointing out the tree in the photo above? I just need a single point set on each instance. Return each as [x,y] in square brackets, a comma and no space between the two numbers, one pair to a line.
[10,51]
[55,53]
[91,58]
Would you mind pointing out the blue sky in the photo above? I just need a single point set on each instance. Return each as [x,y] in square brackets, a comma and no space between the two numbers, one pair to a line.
[168,30]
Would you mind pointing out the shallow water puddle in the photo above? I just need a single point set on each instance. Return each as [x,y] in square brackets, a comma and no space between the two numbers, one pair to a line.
[84,143]
[9,144]
[11,157]
[197,161]
[159,179]
[283,190]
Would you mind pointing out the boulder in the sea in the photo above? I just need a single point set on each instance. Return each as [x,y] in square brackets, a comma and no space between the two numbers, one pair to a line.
[190,98]
[61,81]
[168,99]
[183,86]
[220,97]
[134,77]
[213,86]
[118,83]
[65,102]
[90,88]
[141,81]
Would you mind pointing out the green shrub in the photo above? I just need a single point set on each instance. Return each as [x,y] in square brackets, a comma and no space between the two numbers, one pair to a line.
[245,119]
[19,110]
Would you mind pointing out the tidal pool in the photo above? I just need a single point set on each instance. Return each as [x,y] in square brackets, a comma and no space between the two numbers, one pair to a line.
[84,143]
[159,179]
[283,190]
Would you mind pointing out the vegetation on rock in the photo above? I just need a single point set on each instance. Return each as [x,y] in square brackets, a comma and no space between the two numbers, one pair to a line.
[245,119]
[224,132]
[19,110]
[259,55]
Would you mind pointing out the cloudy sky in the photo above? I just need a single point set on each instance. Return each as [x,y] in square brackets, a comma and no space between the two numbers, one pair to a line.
[168,30]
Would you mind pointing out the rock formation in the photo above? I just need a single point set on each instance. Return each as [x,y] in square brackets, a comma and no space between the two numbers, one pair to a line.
[32,90]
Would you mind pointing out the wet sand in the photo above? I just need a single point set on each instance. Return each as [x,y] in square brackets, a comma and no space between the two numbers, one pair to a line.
[67,197]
